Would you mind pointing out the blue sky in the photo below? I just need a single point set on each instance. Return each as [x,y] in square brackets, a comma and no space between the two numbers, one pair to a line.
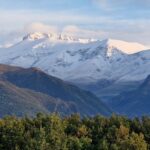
[119,19]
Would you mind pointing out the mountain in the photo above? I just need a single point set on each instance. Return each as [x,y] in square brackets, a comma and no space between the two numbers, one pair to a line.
[111,45]
[55,37]
[20,102]
[133,103]
[104,67]
[31,90]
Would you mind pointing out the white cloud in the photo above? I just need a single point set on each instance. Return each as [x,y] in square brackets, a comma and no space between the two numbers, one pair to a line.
[40,27]
[76,31]
[70,30]
[18,18]
[129,30]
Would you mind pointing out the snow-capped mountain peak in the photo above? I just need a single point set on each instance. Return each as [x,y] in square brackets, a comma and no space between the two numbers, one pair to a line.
[36,36]
[77,59]
[125,47]
[50,36]
[55,37]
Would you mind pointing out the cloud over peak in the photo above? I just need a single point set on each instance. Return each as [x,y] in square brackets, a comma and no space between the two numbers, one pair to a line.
[40,27]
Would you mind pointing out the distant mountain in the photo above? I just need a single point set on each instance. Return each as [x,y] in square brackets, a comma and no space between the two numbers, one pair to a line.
[31,90]
[133,103]
[104,67]
[53,37]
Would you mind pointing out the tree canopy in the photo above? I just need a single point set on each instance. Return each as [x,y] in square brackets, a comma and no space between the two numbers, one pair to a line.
[52,132]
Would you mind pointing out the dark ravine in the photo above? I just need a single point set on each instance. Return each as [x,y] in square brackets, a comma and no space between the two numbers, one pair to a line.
[135,102]
[28,91]
[107,89]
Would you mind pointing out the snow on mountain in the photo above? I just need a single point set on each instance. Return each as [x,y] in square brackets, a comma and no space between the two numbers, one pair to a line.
[126,47]
[55,37]
[6,45]
[80,60]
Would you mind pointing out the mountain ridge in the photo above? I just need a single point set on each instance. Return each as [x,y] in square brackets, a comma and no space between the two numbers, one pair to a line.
[55,37]
[47,89]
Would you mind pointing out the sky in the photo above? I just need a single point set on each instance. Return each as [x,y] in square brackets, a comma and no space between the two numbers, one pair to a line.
[127,20]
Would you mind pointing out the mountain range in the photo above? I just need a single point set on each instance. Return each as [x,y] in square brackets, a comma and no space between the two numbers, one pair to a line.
[29,91]
[113,70]
[106,67]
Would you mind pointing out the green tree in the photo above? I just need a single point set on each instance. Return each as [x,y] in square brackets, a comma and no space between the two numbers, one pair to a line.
[135,142]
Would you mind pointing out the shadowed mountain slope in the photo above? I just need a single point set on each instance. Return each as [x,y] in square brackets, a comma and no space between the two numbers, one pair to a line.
[134,103]
[50,93]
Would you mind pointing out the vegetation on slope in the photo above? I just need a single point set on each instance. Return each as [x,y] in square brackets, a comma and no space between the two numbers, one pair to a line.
[51,132]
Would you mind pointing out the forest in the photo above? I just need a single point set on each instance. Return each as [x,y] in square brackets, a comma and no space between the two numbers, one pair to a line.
[54,132]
